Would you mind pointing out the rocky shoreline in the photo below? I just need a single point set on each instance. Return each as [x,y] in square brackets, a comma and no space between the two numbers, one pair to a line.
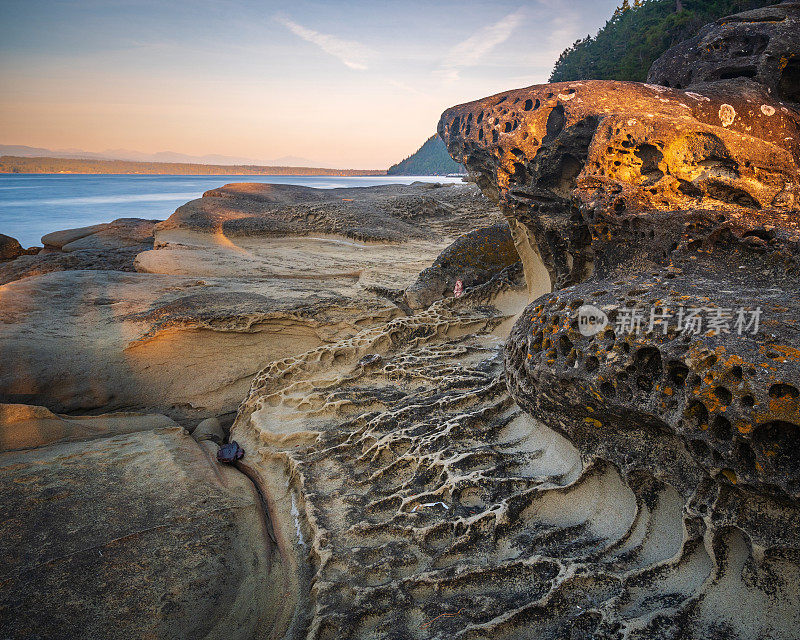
[560,402]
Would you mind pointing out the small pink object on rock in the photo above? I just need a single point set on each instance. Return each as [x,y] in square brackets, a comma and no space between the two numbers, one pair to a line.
[458,291]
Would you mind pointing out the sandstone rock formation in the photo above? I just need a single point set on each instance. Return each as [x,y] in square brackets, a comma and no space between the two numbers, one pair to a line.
[577,153]
[123,515]
[472,259]
[110,236]
[645,203]
[142,535]
[9,248]
[761,44]
[111,246]
[383,213]
[27,427]
[631,478]
[386,458]
[214,303]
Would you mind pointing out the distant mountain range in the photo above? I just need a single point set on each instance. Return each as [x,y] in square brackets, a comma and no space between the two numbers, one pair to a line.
[37,164]
[431,159]
[139,156]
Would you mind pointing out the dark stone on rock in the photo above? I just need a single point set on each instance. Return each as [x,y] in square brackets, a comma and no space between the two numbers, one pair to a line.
[763,45]
[472,259]
[10,248]
[230,452]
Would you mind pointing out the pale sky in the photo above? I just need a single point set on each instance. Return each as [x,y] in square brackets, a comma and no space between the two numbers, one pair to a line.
[344,84]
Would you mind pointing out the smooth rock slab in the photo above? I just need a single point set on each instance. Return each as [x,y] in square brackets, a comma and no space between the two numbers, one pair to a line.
[110,246]
[140,535]
[24,426]
[120,233]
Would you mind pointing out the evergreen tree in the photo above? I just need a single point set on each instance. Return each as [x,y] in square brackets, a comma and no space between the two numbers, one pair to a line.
[631,41]
[431,159]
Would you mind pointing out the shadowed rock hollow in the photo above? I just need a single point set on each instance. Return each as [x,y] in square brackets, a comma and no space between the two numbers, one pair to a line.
[472,259]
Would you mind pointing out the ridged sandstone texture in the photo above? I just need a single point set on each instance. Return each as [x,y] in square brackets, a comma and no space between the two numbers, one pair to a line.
[643,197]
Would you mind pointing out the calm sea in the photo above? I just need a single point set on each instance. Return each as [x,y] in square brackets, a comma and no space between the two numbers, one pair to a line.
[32,205]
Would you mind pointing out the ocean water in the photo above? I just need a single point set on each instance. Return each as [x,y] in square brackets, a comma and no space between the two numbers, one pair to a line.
[32,205]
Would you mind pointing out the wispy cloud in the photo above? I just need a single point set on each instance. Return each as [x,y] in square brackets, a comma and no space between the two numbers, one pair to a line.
[351,53]
[469,52]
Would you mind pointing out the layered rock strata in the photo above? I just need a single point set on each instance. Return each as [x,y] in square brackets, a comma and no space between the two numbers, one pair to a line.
[178,317]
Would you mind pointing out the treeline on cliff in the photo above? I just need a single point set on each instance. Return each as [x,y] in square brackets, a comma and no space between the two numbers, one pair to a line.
[15,164]
[431,159]
[637,34]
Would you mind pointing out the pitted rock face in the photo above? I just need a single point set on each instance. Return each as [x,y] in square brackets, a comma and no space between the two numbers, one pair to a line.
[653,202]
[618,146]
[762,45]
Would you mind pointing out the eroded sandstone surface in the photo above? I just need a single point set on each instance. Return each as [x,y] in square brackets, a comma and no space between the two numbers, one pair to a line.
[137,535]
[435,465]
[178,317]
[576,154]
[649,200]
[123,516]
